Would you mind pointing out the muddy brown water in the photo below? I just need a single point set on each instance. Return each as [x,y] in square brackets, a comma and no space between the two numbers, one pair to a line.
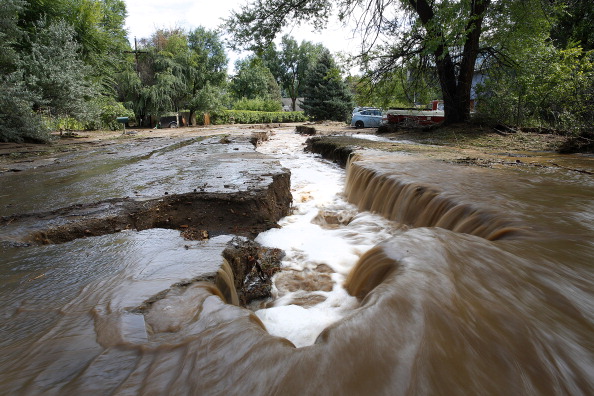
[486,289]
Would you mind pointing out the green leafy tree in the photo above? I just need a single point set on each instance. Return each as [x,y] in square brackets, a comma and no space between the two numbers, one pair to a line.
[529,79]
[573,24]
[160,82]
[269,105]
[290,64]
[98,29]
[58,57]
[403,87]
[173,70]
[210,98]
[55,72]
[18,121]
[254,80]
[10,35]
[446,36]
[208,87]
[543,87]
[327,97]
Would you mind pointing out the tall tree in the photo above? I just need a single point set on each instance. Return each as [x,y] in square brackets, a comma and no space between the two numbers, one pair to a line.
[173,69]
[158,83]
[55,71]
[538,84]
[18,121]
[98,28]
[327,96]
[61,56]
[10,34]
[395,31]
[574,24]
[210,64]
[290,64]
[254,80]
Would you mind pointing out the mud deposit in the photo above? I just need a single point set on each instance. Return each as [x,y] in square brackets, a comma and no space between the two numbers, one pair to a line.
[201,186]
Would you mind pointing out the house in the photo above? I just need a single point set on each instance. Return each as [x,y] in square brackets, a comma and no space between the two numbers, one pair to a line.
[288,103]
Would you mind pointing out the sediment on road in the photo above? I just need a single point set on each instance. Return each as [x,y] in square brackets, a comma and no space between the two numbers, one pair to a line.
[202,187]
[204,201]
[197,215]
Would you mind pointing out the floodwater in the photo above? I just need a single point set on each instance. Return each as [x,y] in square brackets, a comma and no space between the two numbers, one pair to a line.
[462,281]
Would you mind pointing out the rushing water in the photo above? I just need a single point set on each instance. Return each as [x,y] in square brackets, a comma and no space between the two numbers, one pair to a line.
[323,240]
[471,282]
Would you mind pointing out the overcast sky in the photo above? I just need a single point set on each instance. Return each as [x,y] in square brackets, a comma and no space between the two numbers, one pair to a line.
[145,16]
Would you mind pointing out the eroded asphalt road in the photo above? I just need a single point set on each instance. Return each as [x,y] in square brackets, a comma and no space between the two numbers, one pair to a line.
[206,183]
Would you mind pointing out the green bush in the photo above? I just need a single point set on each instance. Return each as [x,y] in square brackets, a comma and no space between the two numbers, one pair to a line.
[221,117]
[18,122]
[101,113]
[105,110]
[63,124]
[258,104]
[553,89]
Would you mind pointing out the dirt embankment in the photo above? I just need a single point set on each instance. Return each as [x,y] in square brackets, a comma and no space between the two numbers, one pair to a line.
[462,144]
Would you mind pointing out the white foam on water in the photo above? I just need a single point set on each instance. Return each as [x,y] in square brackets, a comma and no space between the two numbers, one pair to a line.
[303,325]
[309,241]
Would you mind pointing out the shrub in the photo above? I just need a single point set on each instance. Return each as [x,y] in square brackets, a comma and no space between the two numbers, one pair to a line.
[105,110]
[258,104]
[18,122]
[221,117]
[63,124]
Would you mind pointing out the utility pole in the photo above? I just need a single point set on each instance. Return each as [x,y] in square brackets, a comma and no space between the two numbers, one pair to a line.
[136,52]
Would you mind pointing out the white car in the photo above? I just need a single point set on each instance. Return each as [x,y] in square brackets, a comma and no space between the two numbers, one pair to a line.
[367,118]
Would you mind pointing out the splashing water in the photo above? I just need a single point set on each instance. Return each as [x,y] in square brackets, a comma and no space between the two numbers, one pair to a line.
[323,239]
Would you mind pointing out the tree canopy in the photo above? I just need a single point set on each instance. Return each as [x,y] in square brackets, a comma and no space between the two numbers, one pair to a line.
[57,57]
[445,36]
[254,80]
[326,96]
[291,63]
[573,24]
[68,64]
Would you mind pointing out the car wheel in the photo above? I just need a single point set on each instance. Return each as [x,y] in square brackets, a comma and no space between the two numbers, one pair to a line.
[173,124]
[359,124]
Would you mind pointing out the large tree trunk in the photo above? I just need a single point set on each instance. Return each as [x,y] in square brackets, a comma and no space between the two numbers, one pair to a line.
[191,116]
[455,84]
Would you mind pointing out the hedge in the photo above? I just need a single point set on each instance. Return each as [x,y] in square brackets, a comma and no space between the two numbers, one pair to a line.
[220,117]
